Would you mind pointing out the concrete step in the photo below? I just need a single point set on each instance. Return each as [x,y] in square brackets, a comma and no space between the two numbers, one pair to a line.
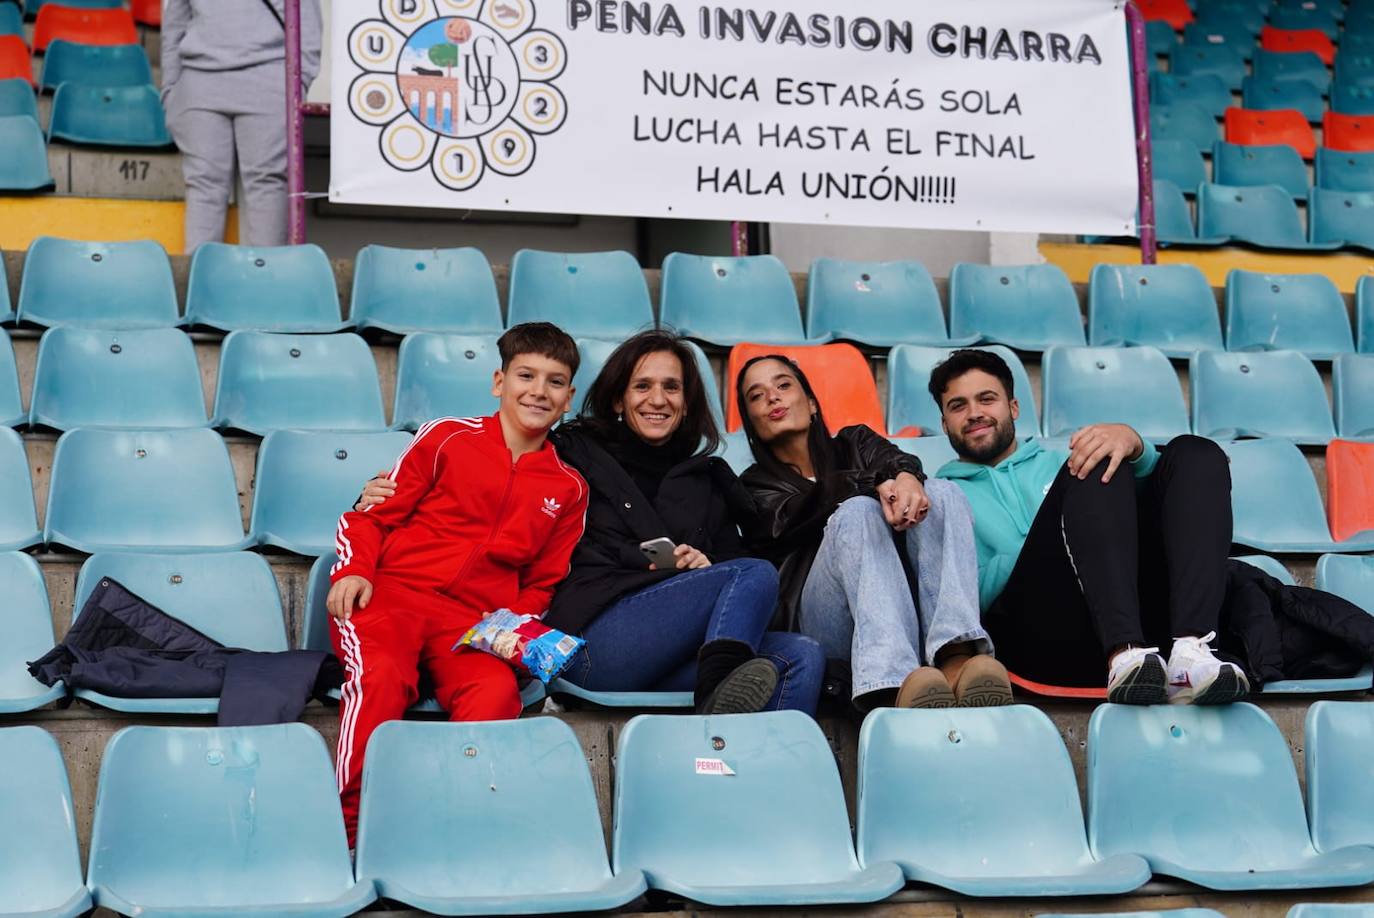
[94,172]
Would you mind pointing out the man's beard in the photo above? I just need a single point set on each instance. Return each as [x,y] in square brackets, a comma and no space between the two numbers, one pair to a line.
[1004,434]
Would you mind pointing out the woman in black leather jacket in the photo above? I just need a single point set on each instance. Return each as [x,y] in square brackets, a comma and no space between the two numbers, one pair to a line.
[851,521]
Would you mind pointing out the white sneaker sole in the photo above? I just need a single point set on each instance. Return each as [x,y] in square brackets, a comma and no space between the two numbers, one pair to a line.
[1145,685]
[1229,686]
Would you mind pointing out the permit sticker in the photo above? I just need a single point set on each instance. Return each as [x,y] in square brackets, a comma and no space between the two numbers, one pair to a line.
[714,767]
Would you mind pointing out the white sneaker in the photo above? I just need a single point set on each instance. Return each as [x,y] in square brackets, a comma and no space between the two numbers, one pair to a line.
[1137,677]
[1198,677]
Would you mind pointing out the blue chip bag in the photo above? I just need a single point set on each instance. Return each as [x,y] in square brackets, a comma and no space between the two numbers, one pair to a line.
[524,641]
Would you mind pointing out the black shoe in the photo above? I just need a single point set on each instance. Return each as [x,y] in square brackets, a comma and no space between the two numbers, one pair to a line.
[746,690]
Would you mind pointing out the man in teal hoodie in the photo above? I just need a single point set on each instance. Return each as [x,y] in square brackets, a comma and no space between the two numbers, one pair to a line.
[1085,573]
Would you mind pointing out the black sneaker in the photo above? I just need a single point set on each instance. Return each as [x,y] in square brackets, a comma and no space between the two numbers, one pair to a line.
[745,690]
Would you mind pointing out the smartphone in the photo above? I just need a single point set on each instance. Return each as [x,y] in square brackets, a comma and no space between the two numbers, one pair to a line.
[660,552]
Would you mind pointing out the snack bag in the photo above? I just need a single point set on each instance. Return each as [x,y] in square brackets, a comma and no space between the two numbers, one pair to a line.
[523,640]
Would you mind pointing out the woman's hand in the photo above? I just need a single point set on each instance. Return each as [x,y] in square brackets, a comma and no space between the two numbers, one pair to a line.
[376,491]
[904,501]
[689,559]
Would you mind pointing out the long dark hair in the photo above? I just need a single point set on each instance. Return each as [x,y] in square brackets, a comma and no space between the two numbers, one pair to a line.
[818,441]
[697,433]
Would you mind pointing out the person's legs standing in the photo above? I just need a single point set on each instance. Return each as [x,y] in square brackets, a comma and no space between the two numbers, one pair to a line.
[260,139]
[205,137]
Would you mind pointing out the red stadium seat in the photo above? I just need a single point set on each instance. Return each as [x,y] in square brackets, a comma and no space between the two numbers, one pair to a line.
[15,60]
[83,26]
[1352,133]
[1290,40]
[1260,129]
[148,12]
[1349,488]
[838,372]
[1175,12]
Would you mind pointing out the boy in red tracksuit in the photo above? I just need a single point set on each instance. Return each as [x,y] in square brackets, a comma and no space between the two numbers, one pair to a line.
[484,517]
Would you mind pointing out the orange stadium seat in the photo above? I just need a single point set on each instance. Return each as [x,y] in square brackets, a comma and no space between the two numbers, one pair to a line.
[1350,488]
[1290,40]
[1175,12]
[1260,128]
[148,12]
[1352,133]
[838,372]
[15,60]
[87,27]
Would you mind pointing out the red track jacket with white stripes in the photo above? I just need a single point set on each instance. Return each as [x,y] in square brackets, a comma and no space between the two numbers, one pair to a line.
[467,523]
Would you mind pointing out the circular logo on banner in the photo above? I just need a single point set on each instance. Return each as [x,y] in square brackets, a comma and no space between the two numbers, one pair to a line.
[464,86]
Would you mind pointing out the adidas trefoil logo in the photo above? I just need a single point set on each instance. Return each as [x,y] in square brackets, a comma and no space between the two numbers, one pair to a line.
[551,507]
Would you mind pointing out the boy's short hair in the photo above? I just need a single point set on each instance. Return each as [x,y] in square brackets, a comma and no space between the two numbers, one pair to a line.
[961,362]
[542,338]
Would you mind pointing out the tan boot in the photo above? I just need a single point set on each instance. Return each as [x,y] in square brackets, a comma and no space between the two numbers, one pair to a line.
[983,683]
[925,687]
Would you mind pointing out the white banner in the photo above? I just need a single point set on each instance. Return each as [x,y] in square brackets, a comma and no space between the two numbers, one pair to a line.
[1000,115]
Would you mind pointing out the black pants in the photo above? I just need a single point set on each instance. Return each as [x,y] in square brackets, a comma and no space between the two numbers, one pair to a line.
[1122,563]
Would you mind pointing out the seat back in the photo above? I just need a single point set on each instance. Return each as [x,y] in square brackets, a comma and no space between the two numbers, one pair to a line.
[1030,307]
[909,404]
[1019,814]
[286,288]
[40,866]
[1275,66]
[255,819]
[1350,488]
[1342,216]
[315,622]
[729,300]
[1218,60]
[1154,771]
[1349,99]
[879,303]
[18,518]
[15,60]
[1263,215]
[31,7]
[307,479]
[1350,577]
[140,378]
[1180,162]
[838,373]
[11,407]
[1339,170]
[1185,121]
[1315,41]
[1338,739]
[594,294]
[118,490]
[1232,34]
[1127,385]
[230,597]
[702,826]
[104,65]
[85,26]
[436,290]
[1169,307]
[11,20]
[1207,91]
[1297,19]
[16,96]
[435,819]
[25,634]
[1272,394]
[97,284]
[1354,133]
[123,116]
[1271,566]
[1283,95]
[1364,315]
[1160,37]
[933,451]
[1260,128]
[1275,504]
[443,375]
[1175,12]
[1301,312]
[1234,164]
[1352,380]
[1173,216]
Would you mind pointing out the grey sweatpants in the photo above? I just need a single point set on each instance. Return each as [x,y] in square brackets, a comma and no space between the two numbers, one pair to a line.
[216,119]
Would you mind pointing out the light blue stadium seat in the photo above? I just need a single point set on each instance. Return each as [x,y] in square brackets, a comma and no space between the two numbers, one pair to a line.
[1299,312]
[287,288]
[1350,577]
[446,813]
[1017,829]
[435,290]
[1167,913]
[1332,910]
[1364,315]
[1125,385]
[101,65]
[1207,91]
[1221,14]
[16,98]
[1261,215]
[95,377]
[1352,385]
[25,164]
[441,375]
[1229,34]
[1275,95]
[40,865]
[592,356]
[908,400]
[143,490]
[110,116]
[1219,60]
[1279,164]
[933,451]
[1186,121]
[221,820]
[648,700]
[25,634]
[1170,307]
[736,452]
[11,20]
[1348,99]
[1335,9]
[1355,70]
[18,518]
[1297,18]
[1028,307]
[589,294]
[1180,162]
[1275,66]
[1342,217]
[307,479]
[1275,502]
[738,838]
[229,597]
[1338,738]
[1173,216]
[1160,37]
[31,7]
[1270,394]
[878,303]
[11,409]
[1271,566]
[1173,782]
[301,382]
[729,300]
[97,284]
[7,313]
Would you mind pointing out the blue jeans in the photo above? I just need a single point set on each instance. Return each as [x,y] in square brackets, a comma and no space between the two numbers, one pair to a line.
[648,641]
[858,605]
